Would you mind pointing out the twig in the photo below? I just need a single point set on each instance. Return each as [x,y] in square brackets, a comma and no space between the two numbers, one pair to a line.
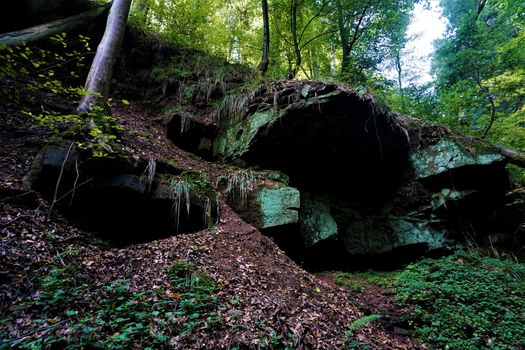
[73,189]
[75,182]
[16,196]
[18,216]
[63,62]
[59,179]
[44,328]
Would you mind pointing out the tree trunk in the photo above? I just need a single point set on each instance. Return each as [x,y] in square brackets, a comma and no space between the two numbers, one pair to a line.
[347,43]
[99,77]
[399,70]
[343,35]
[295,39]
[44,31]
[265,59]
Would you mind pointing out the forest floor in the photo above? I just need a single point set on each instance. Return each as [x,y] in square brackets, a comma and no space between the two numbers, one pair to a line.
[56,280]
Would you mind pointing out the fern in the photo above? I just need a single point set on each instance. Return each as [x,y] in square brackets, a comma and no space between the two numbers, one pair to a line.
[180,192]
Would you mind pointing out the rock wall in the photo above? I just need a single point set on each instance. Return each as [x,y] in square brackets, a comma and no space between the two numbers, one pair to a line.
[370,181]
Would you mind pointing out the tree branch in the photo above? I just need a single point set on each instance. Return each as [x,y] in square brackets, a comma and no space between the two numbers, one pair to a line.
[316,37]
[46,30]
[512,155]
[311,20]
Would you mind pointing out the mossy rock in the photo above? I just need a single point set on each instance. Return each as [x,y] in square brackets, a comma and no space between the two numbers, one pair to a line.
[278,206]
[315,220]
[448,154]
[271,204]
[369,234]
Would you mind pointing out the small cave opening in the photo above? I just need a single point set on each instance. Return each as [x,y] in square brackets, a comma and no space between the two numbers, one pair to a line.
[193,135]
[120,208]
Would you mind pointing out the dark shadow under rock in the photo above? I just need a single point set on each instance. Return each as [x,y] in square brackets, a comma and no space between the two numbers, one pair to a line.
[124,200]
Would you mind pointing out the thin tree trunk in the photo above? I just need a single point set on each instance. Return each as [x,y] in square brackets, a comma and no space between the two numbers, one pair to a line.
[295,39]
[347,45]
[343,35]
[490,98]
[400,81]
[99,77]
[46,30]
[265,59]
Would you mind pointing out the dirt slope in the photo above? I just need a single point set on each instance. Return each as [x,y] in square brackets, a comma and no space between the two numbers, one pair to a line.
[262,294]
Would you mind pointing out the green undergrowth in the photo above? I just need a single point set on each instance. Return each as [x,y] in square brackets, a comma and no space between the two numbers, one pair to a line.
[466,301]
[359,281]
[198,306]
[73,312]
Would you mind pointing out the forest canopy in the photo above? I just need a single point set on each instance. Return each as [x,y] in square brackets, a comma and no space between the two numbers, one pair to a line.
[477,65]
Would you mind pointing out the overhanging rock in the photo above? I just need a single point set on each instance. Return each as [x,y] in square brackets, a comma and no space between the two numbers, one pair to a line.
[448,154]
[124,199]
[315,133]
[372,181]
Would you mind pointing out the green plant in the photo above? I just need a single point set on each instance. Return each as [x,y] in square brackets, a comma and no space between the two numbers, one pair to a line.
[149,173]
[360,322]
[466,301]
[180,191]
[60,285]
[355,325]
[357,281]
[39,72]
[76,315]
[197,305]
[239,184]
[232,107]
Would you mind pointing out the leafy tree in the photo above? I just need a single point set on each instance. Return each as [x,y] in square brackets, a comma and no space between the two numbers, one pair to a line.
[369,31]
[479,68]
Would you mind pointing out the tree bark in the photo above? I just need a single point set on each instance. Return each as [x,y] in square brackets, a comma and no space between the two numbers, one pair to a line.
[347,44]
[513,156]
[399,70]
[99,77]
[265,59]
[295,39]
[44,31]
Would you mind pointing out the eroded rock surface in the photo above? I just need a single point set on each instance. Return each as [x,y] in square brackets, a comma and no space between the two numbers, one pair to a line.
[370,180]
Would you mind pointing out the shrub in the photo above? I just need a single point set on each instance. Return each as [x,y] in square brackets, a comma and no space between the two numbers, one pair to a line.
[466,301]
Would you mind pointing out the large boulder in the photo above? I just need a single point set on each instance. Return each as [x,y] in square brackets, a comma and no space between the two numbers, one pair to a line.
[265,200]
[315,220]
[449,154]
[376,182]
[278,206]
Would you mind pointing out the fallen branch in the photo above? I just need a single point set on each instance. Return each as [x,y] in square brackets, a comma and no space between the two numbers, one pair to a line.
[513,156]
[46,30]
